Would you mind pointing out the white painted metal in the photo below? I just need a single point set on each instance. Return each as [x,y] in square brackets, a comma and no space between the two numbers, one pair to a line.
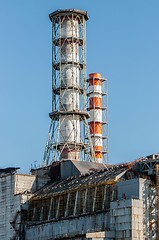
[69,129]
[69,100]
[70,52]
[95,88]
[97,141]
[96,115]
[69,28]
[69,76]
[95,94]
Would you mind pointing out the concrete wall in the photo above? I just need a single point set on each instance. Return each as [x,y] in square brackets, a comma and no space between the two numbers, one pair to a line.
[141,188]
[133,188]
[24,183]
[68,228]
[126,219]
[9,205]
[14,189]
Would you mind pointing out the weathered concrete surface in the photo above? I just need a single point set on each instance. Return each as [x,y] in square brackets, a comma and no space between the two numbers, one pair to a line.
[12,187]
[15,191]
[68,228]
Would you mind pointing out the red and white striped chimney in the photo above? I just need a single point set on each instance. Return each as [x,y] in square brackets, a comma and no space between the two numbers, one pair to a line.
[96,114]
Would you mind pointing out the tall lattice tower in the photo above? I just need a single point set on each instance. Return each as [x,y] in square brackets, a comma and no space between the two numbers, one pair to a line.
[69,113]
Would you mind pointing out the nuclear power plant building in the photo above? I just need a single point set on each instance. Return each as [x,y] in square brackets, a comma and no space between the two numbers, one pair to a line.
[76,193]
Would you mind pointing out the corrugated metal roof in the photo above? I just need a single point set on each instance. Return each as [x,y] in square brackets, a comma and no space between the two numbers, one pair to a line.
[97,177]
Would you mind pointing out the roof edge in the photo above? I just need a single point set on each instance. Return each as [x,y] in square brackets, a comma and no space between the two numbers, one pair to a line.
[71,10]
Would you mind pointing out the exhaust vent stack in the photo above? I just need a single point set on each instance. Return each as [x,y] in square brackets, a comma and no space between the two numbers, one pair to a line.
[98,116]
[66,133]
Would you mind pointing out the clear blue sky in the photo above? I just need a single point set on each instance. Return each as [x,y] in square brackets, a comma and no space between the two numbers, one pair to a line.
[122,44]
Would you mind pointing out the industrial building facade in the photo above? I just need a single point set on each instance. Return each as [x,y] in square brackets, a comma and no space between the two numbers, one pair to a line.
[91,201]
[104,202]
[76,194]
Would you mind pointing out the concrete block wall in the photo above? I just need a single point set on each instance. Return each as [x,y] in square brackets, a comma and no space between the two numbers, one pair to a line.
[14,191]
[126,219]
[9,205]
[24,183]
[137,219]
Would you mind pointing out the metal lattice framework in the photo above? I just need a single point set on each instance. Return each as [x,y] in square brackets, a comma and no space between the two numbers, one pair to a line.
[69,116]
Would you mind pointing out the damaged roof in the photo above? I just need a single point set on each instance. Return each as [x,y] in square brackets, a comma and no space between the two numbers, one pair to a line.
[107,176]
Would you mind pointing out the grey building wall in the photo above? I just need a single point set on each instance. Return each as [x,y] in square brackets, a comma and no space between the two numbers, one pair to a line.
[15,191]
[126,218]
[68,228]
[133,188]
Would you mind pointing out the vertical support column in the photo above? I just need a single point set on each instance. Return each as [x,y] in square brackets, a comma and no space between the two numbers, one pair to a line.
[94,199]
[34,211]
[50,209]
[85,201]
[75,207]
[66,210]
[57,209]
[41,214]
[104,197]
